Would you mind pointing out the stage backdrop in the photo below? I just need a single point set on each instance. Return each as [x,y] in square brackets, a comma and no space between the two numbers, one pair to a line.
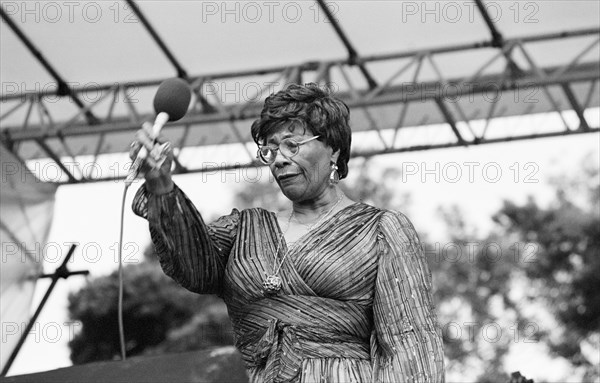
[27,208]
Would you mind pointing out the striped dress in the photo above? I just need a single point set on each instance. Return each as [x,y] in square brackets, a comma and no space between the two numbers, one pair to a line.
[355,304]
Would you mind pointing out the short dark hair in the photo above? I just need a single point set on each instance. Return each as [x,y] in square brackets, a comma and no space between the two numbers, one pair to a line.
[316,109]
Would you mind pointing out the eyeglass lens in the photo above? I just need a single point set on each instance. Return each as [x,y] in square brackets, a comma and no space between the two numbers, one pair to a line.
[288,148]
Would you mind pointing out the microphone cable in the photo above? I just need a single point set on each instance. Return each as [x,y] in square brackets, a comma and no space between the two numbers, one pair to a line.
[133,173]
[171,102]
[120,276]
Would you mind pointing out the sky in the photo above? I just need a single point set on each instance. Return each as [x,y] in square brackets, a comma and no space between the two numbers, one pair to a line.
[104,48]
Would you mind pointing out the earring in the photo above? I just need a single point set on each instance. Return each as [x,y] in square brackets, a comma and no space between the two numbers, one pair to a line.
[334,176]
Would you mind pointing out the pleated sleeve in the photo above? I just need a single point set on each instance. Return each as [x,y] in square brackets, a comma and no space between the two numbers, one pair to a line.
[191,252]
[406,343]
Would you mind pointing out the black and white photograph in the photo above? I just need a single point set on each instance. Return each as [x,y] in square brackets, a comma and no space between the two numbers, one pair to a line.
[308,191]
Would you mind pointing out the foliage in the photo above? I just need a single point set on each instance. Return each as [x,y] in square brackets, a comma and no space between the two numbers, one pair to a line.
[539,259]
[472,286]
[565,274]
[154,307]
[488,290]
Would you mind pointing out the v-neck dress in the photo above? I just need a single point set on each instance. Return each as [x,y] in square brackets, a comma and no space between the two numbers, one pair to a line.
[355,303]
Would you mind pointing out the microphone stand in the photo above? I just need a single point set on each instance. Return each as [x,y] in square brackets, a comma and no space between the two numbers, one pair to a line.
[61,272]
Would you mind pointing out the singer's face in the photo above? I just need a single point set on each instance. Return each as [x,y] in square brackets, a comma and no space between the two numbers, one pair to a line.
[304,175]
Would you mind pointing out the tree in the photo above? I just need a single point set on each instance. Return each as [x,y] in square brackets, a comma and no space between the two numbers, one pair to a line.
[473,280]
[550,252]
[155,310]
[566,271]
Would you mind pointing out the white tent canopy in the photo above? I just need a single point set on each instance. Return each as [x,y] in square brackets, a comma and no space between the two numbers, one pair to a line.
[417,75]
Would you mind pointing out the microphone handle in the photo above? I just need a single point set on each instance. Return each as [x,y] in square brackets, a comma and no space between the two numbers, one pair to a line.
[161,119]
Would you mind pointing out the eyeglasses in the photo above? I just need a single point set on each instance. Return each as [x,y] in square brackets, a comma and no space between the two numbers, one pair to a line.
[288,146]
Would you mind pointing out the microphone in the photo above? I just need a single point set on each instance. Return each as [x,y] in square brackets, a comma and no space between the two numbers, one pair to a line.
[171,102]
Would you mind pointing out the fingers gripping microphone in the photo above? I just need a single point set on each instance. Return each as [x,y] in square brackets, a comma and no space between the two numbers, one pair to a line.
[171,102]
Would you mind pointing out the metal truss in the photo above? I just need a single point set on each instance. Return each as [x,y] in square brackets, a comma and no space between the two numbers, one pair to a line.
[414,106]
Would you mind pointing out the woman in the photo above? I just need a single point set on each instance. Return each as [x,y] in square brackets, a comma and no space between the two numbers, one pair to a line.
[331,290]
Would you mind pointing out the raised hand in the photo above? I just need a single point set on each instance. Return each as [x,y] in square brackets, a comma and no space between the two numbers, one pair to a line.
[156,166]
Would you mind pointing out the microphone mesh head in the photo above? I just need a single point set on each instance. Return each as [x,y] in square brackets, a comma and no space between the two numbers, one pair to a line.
[173,97]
